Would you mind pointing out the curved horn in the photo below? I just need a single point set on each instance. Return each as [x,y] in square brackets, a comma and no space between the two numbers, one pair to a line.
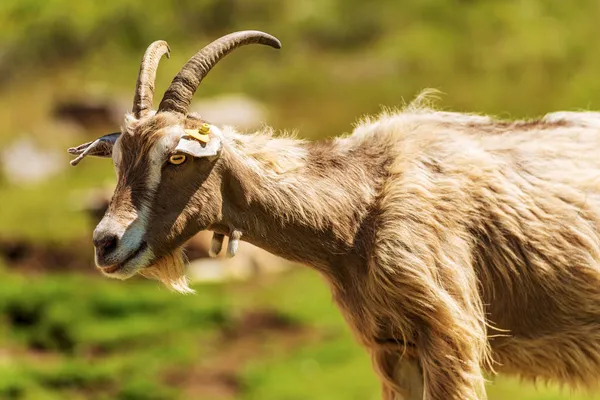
[179,95]
[144,89]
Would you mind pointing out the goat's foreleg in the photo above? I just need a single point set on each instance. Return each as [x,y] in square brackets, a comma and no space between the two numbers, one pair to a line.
[428,291]
[402,369]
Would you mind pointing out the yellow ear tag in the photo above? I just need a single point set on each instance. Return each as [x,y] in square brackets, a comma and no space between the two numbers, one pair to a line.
[201,137]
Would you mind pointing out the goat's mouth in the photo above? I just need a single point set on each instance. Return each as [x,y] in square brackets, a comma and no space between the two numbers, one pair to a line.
[126,264]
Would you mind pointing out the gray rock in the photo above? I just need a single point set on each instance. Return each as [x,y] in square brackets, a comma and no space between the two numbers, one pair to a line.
[23,162]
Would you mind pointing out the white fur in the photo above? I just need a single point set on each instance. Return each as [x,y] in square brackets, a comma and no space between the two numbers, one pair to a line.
[586,118]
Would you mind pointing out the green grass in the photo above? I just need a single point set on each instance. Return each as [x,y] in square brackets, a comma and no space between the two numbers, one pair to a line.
[96,337]
[65,336]
[50,211]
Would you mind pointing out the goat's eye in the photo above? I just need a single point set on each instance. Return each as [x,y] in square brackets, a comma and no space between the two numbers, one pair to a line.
[177,159]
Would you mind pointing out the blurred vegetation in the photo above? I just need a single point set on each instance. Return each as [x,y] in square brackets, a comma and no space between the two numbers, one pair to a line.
[81,337]
[78,337]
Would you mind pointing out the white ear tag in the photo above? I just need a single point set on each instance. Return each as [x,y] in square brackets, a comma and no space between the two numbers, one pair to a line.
[205,142]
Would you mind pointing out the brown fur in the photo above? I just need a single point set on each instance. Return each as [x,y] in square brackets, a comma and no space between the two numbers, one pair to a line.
[453,244]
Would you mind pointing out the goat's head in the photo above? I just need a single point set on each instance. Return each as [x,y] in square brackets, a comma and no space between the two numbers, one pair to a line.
[168,184]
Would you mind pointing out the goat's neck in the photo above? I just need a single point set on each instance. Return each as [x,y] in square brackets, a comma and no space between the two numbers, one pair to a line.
[307,202]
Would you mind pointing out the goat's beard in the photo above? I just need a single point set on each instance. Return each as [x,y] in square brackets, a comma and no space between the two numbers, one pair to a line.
[170,270]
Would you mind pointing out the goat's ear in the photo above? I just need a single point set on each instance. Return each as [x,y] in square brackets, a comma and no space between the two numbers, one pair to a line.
[101,147]
[198,144]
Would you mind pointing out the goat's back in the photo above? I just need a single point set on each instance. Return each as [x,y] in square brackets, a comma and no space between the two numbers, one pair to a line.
[524,198]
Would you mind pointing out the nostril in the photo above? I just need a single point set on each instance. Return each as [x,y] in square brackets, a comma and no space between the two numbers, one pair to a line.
[106,244]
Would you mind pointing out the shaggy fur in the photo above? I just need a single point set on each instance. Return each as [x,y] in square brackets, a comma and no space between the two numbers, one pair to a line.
[473,242]
[170,270]
[454,244]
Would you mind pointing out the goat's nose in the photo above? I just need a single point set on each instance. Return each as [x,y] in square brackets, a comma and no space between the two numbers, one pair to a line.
[105,244]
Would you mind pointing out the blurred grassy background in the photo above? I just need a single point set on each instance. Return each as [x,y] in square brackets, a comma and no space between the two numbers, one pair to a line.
[71,334]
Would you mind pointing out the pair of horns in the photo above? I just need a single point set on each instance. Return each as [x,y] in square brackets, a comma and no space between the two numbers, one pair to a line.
[179,95]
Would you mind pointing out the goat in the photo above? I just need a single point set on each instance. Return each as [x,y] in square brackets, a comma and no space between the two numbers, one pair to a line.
[455,245]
